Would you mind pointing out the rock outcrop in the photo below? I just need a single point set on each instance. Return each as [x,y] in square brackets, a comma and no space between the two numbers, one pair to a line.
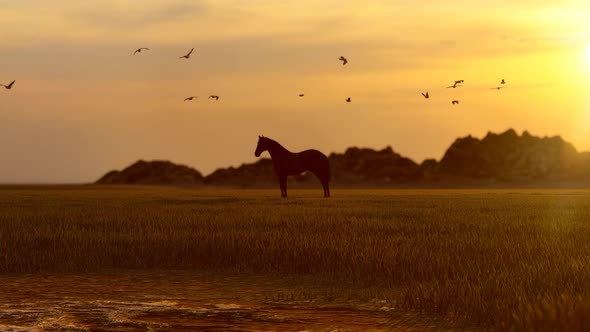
[509,157]
[153,173]
[260,173]
[370,167]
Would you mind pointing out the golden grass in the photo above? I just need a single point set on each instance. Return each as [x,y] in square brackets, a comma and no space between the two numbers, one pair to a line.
[490,257]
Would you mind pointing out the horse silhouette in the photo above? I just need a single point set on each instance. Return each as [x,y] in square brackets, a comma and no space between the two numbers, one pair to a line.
[288,163]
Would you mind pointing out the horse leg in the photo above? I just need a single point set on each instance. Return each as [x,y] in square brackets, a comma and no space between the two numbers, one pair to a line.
[325,182]
[283,184]
[326,186]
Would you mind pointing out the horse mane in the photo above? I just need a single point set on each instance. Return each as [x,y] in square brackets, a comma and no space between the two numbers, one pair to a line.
[274,144]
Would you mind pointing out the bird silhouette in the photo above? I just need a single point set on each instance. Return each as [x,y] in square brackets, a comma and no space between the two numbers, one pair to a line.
[214,97]
[343,59]
[456,85]
[140,49]
[190,98]
[426,95]
[188,55]
[455,102]
[498,88]
[348,100]
[503,82]
[9,86]
[459,81]
[301,95]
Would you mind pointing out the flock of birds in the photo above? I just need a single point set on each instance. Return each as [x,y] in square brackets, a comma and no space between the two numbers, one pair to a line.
[186,56]
[459,83]
[456,84]
[139,50]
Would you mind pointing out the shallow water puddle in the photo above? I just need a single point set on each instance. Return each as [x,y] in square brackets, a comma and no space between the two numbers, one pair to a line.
[178,301]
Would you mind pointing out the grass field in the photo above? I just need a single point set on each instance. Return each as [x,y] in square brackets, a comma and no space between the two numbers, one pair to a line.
[490,258]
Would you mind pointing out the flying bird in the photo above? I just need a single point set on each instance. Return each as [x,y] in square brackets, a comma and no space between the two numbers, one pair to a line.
[188,55]
[456,85]
[459,81]
[498,88]
[140,49]
[426,95]
[343,59]
[455,102]
[503,82]
[9,86]
[190,98]
[214,97]
[348,100]
[301,95]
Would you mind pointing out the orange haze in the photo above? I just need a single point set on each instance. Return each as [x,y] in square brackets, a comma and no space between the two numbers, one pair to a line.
[83,104]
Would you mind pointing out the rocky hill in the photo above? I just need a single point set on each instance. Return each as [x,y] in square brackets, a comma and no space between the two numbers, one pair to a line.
[502,159]
[369,167]
[508,157]
[153,173]
[260,173]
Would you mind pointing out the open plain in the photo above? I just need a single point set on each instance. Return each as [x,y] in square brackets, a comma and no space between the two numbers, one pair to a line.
[137,258]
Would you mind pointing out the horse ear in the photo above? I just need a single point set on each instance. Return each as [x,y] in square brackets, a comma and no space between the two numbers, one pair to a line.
[259,136]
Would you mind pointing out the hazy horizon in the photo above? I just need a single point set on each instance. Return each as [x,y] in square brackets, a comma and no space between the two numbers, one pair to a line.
[82,104]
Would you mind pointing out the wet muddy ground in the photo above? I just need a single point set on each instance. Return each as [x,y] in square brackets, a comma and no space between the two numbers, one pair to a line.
[187,301]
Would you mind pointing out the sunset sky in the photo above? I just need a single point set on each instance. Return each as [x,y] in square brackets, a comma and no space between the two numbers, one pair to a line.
[82,104]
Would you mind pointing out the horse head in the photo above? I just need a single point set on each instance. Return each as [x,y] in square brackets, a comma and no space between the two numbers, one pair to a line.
[262,146]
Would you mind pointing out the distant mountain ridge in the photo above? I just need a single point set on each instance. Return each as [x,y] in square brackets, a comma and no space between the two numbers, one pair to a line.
[506,158]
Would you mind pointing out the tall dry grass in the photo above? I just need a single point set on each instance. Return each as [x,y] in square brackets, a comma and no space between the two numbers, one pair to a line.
[469,255]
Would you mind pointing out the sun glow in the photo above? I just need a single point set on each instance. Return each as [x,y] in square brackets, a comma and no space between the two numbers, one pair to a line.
[588,53]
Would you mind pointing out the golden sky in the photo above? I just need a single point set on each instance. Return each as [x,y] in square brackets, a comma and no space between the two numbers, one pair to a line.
[83,104]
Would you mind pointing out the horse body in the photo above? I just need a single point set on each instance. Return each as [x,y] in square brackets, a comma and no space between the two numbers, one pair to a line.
[288,163]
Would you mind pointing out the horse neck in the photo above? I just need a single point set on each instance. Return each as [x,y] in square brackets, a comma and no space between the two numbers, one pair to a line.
[277,150]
